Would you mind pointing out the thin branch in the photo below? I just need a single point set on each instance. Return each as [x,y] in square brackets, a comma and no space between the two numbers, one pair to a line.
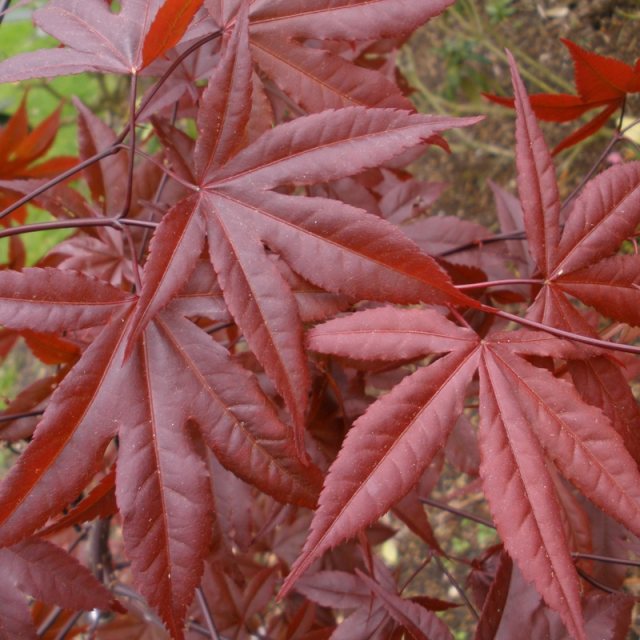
[456,586]
[598,585]
[206,612]
[137,280]
[116,223]
[606,559]
[607,150]
[113,149]
[18,416]
[499,283]
[561,333]
[174,65]
[132,146]
[476,244]
[49,621]
[71,622]
[457,512]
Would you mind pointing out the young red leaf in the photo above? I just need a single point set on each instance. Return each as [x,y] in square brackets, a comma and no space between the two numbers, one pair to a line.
[20,147]
[551,107]
[588,129]
[385,452]
[601,77]
[168,27]
[536,181]
[601,82]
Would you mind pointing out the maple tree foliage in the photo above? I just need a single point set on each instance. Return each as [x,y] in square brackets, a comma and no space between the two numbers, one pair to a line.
[260,342]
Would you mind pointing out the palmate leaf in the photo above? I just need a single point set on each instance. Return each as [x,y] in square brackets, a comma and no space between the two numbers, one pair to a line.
[162,483]
[521,422]
[318,79]
[601,81]
[97,39]
[389,447]
[527,417]
[355,253]
[579,260]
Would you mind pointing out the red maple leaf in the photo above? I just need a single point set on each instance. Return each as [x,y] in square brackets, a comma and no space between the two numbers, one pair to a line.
[601,81]
[527,414]
[95,38]
[21,155]
[238,212]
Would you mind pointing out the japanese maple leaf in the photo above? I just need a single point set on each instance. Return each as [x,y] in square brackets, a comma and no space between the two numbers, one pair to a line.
[40,569]
[601,81]
[162,485]
[21,153]
[315,78]
[236,209]
[581,260]
[527,417]
[97,39]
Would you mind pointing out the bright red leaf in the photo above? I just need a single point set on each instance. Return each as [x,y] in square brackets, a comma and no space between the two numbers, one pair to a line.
[601,81]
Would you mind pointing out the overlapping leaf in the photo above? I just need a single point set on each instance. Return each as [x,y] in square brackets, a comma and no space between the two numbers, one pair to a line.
[318,79]
[356,253]
[601,81]
[22,151]
[161,481]
[389,447]
[527,417]
[40,569]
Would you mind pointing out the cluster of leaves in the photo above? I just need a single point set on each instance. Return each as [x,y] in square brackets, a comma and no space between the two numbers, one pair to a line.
[261,342]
